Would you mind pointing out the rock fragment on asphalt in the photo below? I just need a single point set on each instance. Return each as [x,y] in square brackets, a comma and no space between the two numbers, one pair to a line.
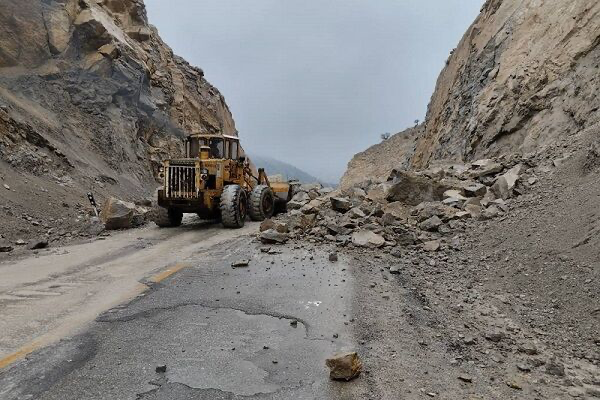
[344,366]
[37,244]
[240,263]
[5,246]
[333,257]
[271,236]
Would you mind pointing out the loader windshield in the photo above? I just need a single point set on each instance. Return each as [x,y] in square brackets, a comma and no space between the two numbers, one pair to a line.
[216,147]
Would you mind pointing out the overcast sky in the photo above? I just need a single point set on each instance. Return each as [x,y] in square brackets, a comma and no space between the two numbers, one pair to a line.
[312,82]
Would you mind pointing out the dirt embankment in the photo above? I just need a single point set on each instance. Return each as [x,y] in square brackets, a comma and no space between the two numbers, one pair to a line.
[376,163]
[91,99]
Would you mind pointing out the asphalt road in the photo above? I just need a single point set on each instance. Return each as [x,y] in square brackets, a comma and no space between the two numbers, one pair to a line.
[262,331]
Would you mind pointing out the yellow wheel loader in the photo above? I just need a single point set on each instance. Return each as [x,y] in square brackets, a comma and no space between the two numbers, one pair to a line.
[216,180]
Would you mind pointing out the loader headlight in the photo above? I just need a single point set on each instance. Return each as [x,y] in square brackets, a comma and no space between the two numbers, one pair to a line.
[204,177]
[161,169]
[204,171]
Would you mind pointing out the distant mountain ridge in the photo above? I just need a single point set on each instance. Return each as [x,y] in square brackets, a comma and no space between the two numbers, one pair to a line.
[277,167]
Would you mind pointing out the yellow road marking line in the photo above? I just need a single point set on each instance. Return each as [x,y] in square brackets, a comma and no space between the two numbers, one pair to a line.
[19,354]
[36,344]
[167,273]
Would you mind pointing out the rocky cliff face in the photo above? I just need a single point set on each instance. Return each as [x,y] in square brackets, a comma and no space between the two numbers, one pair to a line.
[92,99]
[524,74]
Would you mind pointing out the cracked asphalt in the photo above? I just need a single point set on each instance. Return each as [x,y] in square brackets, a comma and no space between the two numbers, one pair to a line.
[261,332]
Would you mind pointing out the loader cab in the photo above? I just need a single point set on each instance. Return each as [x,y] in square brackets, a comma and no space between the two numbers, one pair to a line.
[215,147]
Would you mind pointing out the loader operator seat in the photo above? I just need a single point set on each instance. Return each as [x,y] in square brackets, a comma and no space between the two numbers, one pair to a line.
[216,148]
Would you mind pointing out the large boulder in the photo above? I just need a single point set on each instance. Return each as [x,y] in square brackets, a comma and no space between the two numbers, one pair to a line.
[413,189]
[504,185]
[119,214]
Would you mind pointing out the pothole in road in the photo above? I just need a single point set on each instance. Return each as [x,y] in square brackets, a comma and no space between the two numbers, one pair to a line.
[226,349]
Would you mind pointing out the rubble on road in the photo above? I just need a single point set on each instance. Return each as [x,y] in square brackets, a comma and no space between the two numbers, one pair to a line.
[240,263]
[411,208]
[344,366]
[271,236]
[5,246]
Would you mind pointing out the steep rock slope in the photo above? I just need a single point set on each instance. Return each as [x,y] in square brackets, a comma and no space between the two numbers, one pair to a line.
[90,99]
[525,73]
[377,161]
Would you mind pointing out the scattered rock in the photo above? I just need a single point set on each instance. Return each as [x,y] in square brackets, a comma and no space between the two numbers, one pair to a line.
[271,236]
[465,378]
[333,257]
[495,336]
[161,369]
[240,263]
[5,246]
[37,244]
[555,367]
[6,187]
[432,245]
[272,224]
[431,224]
[344,366]
[341,204]
[366,238]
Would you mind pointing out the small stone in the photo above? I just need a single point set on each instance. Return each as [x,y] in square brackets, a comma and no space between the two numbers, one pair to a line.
[341,204]
[523,368]
[465,378]
[6,187]
[514,383]
[495,336]
[37,244]
[294,323]
[356,213]
[366,238]
[431,224]
[240,263]
[432,245]
[529,349]
[5,247]
[555,367]
[475,190]
[161,369]
[395,269]
[20,242]
[333,257]
[271,236]
[344,366]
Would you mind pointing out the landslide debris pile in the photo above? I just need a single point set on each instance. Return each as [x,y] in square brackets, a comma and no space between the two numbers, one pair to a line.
[411,208]
[91,99]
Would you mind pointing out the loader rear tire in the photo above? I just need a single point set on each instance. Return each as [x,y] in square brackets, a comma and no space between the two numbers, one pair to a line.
[262,203]
[234,206]
[166,218]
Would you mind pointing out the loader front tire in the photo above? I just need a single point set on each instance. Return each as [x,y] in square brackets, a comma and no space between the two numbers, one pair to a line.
[234,206]
[262,203]
[166,218]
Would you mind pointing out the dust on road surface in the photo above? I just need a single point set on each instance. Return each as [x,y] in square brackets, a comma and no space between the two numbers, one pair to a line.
[262,331]
[51,295]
